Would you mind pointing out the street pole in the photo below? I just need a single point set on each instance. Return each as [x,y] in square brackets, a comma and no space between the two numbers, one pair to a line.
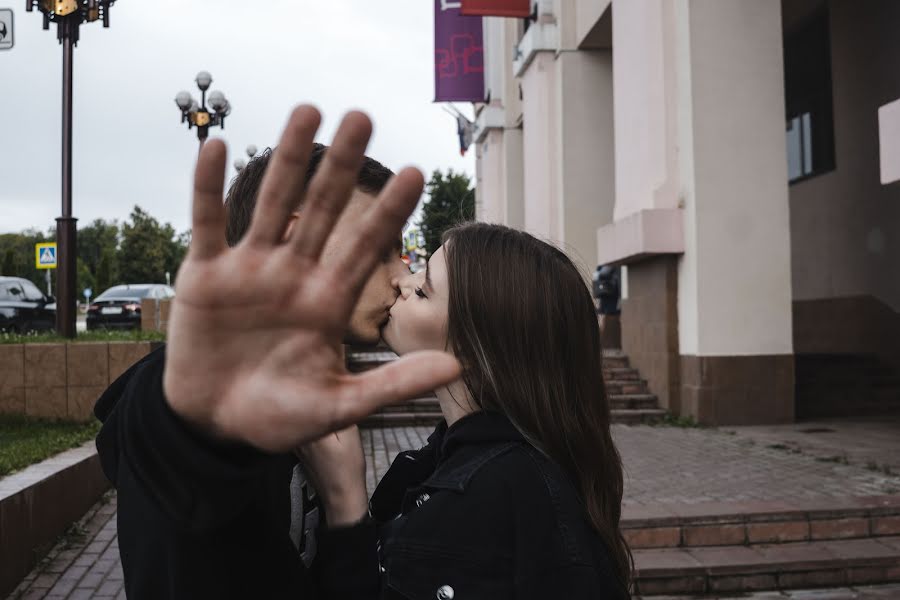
[68,16]
[195,114]
[66,224]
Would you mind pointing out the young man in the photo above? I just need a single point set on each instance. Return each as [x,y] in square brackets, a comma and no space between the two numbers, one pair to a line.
[198,437]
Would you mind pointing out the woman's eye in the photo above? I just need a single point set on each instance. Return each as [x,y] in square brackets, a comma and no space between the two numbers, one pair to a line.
[420,293]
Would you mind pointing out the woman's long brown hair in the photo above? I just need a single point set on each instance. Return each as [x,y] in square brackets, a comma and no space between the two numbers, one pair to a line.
[523,325]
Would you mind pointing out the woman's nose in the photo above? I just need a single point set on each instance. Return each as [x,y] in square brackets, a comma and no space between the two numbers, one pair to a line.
[405,285]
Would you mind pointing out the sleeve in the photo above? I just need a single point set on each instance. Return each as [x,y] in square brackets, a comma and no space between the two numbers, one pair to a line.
[346,564]
[194,480]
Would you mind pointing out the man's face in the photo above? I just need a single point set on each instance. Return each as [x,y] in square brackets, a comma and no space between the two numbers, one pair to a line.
[381,291]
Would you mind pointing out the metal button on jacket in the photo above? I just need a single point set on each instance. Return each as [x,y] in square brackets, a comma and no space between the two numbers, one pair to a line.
[445,592]
[419,502]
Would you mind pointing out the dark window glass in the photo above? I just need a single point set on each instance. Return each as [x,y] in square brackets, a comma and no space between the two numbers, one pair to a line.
[134,292]
[808,98]
[32,293]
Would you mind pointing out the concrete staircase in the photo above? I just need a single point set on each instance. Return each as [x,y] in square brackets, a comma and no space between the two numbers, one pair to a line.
[630,401]
[722,549]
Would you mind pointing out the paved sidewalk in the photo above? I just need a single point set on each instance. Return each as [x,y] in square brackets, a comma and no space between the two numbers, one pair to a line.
[662,465]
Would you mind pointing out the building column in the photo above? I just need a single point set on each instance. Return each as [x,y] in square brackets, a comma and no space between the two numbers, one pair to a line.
[498,131]
[702,215]
[586,157]
[735,314]
[567,109]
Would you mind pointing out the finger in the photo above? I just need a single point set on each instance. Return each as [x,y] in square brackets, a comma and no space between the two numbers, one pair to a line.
[371,238]
[208,211]
[283,182]
[409,377]
[332,186]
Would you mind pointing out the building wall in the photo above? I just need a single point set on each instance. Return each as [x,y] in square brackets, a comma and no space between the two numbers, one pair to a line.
[651,338]
[645,105]
[490,195]
[845,225]
[587,14]
[499,168]
[498,194]
[587,151]
[738,191]
[540,138]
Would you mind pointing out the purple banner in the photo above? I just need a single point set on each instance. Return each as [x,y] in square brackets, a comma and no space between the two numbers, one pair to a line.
[458,55]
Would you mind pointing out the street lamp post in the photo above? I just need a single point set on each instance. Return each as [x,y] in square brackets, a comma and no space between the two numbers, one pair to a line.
[241,162]
[196,114]
[68,16]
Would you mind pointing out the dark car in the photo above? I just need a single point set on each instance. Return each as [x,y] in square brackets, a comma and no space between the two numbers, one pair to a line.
[119,307]
[24,308]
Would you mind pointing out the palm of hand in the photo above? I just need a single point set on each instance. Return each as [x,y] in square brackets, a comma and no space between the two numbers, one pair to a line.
[255,332]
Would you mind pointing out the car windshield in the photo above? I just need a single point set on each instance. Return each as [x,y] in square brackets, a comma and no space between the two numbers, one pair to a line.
[134,292]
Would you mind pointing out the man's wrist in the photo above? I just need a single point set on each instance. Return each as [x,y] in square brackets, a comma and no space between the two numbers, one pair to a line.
[347,511]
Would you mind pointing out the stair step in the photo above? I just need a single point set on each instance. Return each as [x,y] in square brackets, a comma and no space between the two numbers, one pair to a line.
[727,569]
[402,419]
[620,386]
[432,418]
[638,416]
[633,401]
[621,374]
[774,522]
[616,362]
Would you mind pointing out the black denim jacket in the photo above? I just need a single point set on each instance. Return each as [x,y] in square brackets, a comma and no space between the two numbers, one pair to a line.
[479,513]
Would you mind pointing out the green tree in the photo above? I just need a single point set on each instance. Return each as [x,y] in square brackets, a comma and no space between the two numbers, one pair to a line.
[83,279]
[148,249]
[451,200]
[103,277]
[22,247]
[9,263]
[95,239]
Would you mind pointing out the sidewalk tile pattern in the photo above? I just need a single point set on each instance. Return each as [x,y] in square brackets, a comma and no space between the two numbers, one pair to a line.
[662,465]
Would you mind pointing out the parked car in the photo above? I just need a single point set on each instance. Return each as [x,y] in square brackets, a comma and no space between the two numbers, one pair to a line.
[24,308]
[119,307]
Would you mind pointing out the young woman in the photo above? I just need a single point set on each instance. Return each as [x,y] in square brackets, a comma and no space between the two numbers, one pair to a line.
[518,494]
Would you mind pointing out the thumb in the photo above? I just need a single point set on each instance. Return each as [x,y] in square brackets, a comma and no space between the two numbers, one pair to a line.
[404,379]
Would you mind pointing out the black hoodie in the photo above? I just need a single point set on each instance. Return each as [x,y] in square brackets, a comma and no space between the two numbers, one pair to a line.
[198,518]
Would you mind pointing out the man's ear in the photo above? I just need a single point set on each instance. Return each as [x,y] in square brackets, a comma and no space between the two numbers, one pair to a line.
[292,220]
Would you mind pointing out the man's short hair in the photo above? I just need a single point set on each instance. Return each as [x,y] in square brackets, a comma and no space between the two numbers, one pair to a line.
[241,197]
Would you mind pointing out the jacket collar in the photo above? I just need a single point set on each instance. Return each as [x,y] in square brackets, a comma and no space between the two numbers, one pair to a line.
[466,446]
[480,427]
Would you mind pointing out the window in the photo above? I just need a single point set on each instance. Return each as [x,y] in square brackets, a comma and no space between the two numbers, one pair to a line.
[32,293]
[808,98]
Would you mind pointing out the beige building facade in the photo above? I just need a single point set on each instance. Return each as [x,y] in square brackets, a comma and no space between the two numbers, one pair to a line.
[725,153]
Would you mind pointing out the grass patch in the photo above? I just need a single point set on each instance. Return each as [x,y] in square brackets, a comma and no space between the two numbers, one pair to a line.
[97,335]
[670,420]
[25,441]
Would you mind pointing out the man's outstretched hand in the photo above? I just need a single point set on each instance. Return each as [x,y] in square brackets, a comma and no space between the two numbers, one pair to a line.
[254,351]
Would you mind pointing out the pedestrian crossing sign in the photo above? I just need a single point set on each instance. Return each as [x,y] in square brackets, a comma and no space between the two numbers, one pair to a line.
[45,255]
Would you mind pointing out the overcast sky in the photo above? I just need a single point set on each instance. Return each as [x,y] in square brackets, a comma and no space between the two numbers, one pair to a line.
[267,56]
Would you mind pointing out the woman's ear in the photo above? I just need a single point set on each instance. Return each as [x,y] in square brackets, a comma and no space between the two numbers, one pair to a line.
[292,220]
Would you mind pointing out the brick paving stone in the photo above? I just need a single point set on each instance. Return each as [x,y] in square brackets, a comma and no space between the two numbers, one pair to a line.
[677,467]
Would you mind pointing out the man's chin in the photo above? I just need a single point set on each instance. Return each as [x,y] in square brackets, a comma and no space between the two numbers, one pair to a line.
[367,340]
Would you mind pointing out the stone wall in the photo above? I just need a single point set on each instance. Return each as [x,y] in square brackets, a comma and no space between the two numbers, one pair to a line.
[62,380]
[155,314]
[649,324]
